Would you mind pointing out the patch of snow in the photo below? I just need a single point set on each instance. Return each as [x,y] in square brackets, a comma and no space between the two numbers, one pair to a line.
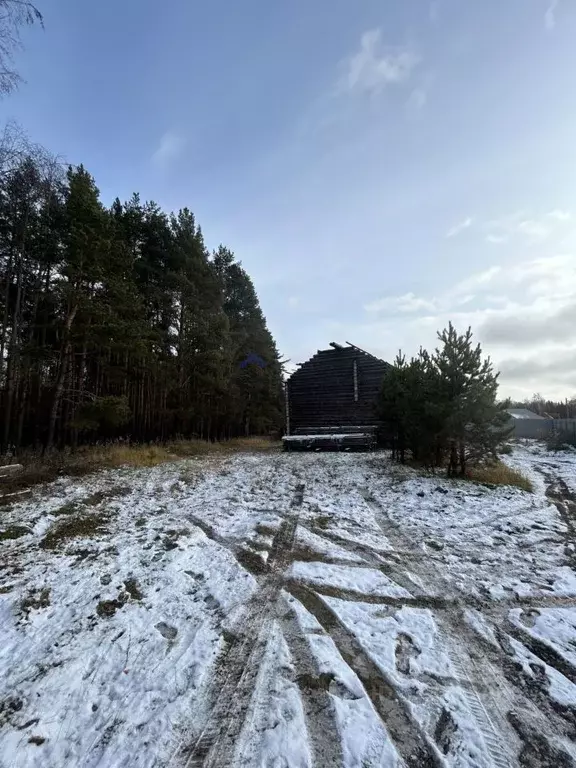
[274,732]
[365,581]
[378,629]
[559,687]
[364,739]
[322,546]
[554,626]
[480,625]
[407,646]
[80,653]
[565,583]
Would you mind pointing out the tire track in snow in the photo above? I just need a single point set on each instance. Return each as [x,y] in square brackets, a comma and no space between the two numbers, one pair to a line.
[483,705]
[324,738]
[412,743]
[479,662]
[215,746]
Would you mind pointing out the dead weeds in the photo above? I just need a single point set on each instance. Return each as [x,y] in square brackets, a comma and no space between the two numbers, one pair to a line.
[107,608]
[40,469]
[322,522]
[499,473]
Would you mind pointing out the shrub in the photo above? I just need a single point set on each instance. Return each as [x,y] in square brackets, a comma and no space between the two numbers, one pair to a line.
[561,441]
[505,450]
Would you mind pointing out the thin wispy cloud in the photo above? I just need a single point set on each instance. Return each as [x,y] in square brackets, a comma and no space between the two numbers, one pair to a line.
[550,15]
[478,280]
[170,147]
[531,229]
[460,227]
[374,67]
[407,303]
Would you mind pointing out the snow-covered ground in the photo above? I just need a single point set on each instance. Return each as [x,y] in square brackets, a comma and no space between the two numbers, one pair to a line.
[290,610]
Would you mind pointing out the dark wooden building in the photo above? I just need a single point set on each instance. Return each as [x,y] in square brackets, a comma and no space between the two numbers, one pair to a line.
[335,392]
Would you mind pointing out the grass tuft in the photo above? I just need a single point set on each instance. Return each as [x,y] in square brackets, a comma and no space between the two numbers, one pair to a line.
[13,532]
[35,600]
[501,474]
[80,526]
[133,589]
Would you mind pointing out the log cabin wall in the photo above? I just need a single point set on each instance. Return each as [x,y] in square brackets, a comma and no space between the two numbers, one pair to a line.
[336,388]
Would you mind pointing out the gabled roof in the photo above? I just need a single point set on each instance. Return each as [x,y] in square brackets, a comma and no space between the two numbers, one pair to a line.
[341,348]
[524,413]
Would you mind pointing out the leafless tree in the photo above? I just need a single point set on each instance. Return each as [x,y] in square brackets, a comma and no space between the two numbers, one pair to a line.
[14,14]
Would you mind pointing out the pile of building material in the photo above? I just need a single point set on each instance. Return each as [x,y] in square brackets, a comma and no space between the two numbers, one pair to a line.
[332,439]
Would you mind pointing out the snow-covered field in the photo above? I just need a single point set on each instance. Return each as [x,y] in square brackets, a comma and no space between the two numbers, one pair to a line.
[290,610]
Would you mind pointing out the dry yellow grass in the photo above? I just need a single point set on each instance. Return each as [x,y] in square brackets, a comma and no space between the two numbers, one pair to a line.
[134,455]
[257,444]
[500,474]
[38,469]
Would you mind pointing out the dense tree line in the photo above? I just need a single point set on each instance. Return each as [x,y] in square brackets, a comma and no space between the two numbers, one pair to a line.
[442,407]
[118,321]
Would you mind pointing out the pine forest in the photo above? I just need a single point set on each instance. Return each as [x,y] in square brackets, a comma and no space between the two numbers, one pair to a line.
[117,322]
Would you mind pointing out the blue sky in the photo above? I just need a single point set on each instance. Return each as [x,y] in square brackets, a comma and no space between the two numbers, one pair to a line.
[378,167]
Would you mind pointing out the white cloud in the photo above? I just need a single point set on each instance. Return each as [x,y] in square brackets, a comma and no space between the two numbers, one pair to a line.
[475,281]
[531,229]
[373,67]
[559,215]
[523,314]
[169,148]
[418,99]
[293,301]
[550,15]
[406,303]
[460,227]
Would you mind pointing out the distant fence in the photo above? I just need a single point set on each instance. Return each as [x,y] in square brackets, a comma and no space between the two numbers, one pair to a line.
[543,428]
[565,425]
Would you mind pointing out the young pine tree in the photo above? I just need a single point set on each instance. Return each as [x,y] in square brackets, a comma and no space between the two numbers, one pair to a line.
[473,419]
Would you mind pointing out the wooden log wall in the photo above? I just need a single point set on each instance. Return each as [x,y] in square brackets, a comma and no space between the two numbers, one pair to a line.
[322,392]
